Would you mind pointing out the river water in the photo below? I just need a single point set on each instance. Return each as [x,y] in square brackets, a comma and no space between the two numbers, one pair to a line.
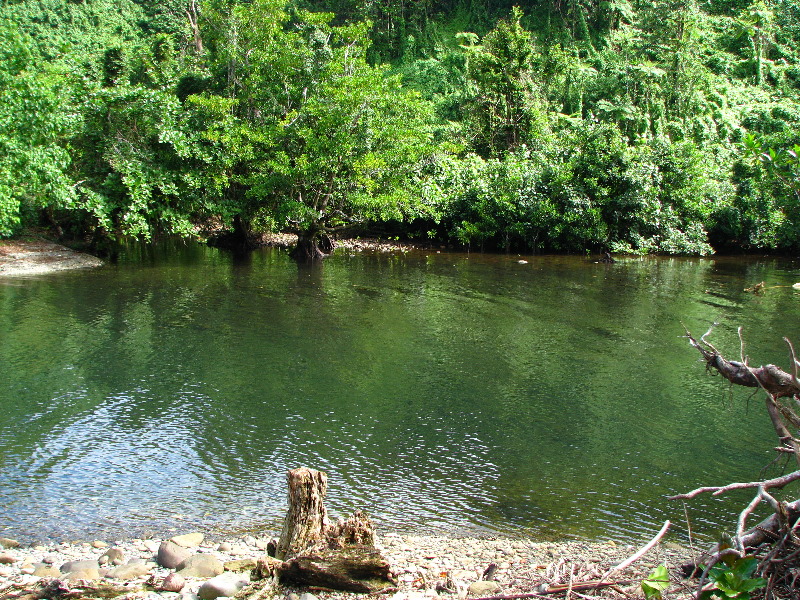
[442,392]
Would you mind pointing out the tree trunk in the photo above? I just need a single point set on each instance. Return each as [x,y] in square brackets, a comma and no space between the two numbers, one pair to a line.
[312,246]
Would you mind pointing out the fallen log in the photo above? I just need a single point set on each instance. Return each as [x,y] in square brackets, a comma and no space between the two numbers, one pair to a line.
[353,569]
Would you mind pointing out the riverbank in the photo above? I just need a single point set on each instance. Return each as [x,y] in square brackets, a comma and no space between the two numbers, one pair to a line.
[426,567]
[34,256]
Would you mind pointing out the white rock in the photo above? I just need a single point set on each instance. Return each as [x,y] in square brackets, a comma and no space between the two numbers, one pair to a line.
[188,540]
[227,585]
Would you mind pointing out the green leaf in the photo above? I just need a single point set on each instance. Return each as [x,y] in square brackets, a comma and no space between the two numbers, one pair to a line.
[656,583]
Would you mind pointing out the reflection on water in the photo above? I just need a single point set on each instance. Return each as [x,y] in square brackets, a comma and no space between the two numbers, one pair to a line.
[442,392]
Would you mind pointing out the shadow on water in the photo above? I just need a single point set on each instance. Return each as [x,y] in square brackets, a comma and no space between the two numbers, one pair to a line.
[442,392]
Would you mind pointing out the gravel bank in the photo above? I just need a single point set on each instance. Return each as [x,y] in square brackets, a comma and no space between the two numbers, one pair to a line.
[425,567]
[34,257]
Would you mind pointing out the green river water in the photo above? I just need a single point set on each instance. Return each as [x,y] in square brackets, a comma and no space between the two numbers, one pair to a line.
[442,392]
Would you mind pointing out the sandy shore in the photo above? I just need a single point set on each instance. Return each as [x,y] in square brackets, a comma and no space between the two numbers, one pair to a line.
[425,568]
[37,256]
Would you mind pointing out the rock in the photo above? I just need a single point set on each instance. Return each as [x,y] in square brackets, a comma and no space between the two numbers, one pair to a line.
[226,585]
[249,540]
[293,596]
[127,572]
[224,547]
[188,540]
[43,570]
[114,555]
[483,588]
[262,544]
[27,569]
[98,544]
[173,583]
[150,546]
[8,543]
[307,596]
[51,559]
[201,565]
[79,565]
[7,559]
[87,574]
[243,564]
[171,555]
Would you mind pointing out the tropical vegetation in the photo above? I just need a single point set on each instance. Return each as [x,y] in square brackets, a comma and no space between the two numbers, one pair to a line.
[536,125]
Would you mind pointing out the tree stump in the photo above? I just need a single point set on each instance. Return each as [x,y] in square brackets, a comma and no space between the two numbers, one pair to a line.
[340,556]
[307,519]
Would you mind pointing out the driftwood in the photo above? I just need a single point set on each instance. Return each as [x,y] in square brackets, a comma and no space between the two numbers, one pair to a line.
[774,539]
[354,569]
[312,551]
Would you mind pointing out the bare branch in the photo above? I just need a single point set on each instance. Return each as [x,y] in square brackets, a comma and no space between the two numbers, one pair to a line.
[743,520]
[794,362]
[778,483]
[644,549]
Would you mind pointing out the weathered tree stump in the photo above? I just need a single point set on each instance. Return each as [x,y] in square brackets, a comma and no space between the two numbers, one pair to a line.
[340,556]
[307,519]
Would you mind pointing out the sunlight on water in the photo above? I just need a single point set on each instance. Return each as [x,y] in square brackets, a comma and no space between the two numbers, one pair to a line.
[442,393]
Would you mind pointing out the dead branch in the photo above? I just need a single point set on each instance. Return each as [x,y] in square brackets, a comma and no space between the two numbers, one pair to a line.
[642,551]
[773,540]
[560,589]
[776,483]
[773,379]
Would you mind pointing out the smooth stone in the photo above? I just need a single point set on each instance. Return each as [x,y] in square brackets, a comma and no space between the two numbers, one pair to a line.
[262,544]
[173,583]
[137,561]
[249,540]
[126,572]
[224,547]
[7,559]
[201,565]
[307,596]
[8,543]
[151,546]
[483,588]
[79,565]
[226,585]
[293,596]
[115,556]
[188,540]
[28,569]
[50,560]
[99,544]
[87,574]
[171,555]
[243,564]
[43,570]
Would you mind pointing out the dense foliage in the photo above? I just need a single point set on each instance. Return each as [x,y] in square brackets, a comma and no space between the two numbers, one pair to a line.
[577,125]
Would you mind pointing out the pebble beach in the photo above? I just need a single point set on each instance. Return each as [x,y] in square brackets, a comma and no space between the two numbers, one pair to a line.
[190,567]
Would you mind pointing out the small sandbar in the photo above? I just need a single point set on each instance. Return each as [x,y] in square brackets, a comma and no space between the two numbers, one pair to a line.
[37,256]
